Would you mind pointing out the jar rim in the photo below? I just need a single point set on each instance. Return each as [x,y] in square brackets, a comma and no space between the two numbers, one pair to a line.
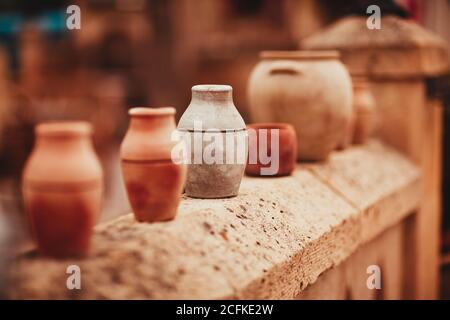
[64,128]
[212,88]
[301,54]
[151,111]
[270,125]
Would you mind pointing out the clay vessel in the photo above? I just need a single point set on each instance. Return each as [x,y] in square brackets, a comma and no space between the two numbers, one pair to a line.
[8,246]
[347,140]
[365,111]
[216,137]
[62,188]
[282,155]
[153,181]
[310,90]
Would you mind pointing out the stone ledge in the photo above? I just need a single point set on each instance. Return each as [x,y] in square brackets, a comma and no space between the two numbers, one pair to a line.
[273,240]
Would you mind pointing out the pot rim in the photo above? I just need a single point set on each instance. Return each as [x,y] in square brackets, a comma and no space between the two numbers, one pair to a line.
[270,125]
[300,54]
[64,128]
[360,82]
[212,88]
[150,111]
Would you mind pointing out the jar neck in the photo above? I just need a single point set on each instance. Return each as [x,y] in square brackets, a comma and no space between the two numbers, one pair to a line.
[64,142]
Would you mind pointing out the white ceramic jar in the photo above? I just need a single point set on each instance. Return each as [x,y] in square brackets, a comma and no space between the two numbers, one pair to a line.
[216,138]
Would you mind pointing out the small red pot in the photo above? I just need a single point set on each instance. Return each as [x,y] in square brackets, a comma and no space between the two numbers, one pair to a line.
[285,137]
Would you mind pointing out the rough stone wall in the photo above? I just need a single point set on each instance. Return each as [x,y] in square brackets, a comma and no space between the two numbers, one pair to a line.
[272,241]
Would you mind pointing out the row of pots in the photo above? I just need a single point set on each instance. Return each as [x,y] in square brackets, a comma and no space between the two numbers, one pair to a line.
[307,97]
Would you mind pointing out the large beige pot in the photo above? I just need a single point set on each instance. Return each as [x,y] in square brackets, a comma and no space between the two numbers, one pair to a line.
[311,90]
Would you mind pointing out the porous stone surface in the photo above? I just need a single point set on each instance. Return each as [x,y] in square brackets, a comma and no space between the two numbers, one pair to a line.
[272,241]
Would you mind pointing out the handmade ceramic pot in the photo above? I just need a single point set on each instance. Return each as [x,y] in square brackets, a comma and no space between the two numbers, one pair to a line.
[154,181]
[216,137]
[347,140]
[310,90]
[365,111]
[272,149]
[62,188]
[7,251]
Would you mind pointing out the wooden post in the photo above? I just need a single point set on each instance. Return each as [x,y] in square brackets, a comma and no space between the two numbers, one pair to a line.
[398,58]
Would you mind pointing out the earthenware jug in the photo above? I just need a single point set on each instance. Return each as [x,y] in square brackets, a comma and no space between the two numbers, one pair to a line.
[272,149]
[365,111]
[62,188]
[347,140]
[216,137]
[7,251]
[310,90]
[153,179]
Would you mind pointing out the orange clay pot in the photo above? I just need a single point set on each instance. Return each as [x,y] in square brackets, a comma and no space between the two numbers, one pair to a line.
[154,183]
[347,140]
[62,188]
[287,148]
[364,110]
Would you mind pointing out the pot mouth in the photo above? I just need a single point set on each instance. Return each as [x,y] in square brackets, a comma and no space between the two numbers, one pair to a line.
[212,88]
[301,54]
[270,125]
[151,112]
[64,128]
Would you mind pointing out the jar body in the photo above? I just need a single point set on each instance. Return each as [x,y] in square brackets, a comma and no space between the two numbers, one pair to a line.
[217,143]
[154,182]
[282,157]
[62,189]
[310,91]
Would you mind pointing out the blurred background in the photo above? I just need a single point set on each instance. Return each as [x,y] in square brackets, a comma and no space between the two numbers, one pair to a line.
[149,53]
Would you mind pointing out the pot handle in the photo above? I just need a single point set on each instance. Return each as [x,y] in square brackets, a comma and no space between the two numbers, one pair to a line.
[284,68]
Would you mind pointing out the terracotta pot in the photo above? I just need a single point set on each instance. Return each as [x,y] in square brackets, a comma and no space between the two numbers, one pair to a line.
[153,181]
[7,251]
[283,155]
[217,138]
[365,111]
[62,188]
[347,140]
[310,90]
